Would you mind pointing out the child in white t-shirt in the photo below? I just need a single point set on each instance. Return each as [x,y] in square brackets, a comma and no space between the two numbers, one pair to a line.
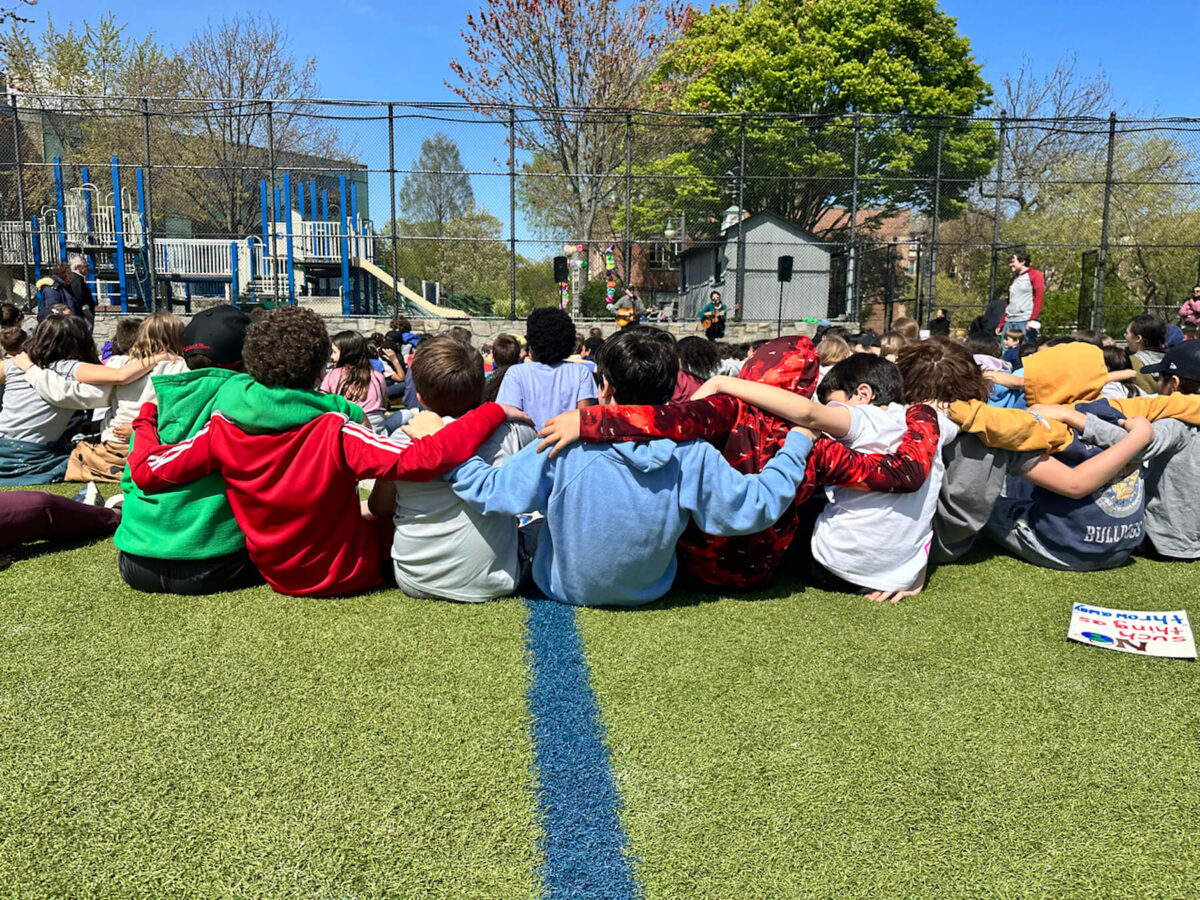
[862,541]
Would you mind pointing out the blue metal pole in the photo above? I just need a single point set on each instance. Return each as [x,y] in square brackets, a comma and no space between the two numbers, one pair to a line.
[291,262]
[324,206]
[36,238]
[233,268]
[89,227]
[300,198]
[277,214]
[358,304]
[119,224]
[266,224]
[60,199]
[250,247]
[345,248]
[312,200]
[148,302]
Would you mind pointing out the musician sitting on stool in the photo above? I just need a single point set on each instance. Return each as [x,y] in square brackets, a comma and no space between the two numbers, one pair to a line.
[712,318]
[628,308]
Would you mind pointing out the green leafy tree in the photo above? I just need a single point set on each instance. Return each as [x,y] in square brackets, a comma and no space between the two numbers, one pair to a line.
[438,191]
[827,60]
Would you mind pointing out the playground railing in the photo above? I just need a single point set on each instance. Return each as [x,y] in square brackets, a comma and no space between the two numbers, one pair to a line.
[199,257]
[16,243]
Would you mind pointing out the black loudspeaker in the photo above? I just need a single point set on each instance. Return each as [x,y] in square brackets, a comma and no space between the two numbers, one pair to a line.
[562,273]
[785,268]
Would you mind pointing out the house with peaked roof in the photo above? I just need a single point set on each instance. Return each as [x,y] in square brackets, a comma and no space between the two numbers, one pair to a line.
[713,265]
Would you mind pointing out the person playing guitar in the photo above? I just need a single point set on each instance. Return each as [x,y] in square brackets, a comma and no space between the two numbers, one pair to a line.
[712,318]
[628,309]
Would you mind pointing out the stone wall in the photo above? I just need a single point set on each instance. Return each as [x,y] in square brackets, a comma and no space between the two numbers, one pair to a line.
[483,330]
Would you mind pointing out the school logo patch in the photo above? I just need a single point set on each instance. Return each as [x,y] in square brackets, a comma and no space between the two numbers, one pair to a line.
[1122,498]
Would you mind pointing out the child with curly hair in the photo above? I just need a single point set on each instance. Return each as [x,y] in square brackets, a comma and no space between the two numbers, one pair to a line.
[548,385]
[291,459]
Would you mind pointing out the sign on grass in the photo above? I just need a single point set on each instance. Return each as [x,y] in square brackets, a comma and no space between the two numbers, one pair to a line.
[1132,631]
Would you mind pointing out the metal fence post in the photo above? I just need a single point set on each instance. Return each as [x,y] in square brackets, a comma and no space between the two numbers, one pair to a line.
[273,249]
[741,237]
[996,207]
[937,202]
[1102,258]
[149,236]
[629,201]
[512,213]
[851,268]
[392,185]
[27,248]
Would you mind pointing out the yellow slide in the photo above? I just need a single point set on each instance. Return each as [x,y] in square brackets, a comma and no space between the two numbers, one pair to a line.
[442,312]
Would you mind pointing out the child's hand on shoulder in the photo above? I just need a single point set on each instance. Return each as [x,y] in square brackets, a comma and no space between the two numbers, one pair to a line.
[22,361]
[423,424]
[807,432]
[1139,428]
[559,432]
[513,414]
[714,385]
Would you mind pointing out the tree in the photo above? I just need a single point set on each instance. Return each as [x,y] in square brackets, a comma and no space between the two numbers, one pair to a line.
[243,63]
[1048,134]
[439,190]
[576,64]
[100,65]
[823,62]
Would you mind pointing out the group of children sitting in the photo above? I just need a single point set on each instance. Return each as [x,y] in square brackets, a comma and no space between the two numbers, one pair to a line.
[241,447]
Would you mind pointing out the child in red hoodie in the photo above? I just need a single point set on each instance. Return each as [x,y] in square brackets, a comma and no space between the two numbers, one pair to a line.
[291,464]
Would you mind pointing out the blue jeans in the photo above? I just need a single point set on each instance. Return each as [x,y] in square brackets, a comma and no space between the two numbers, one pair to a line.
[397,420]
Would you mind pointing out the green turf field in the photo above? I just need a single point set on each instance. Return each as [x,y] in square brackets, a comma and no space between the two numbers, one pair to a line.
[797,744]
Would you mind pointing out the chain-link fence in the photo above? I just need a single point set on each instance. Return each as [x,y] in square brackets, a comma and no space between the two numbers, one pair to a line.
[356,207]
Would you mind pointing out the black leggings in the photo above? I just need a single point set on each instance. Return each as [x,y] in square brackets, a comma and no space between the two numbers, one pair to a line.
[188,576]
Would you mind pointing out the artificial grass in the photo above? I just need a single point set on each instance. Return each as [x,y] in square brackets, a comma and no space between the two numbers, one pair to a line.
[952,745]
[256,745]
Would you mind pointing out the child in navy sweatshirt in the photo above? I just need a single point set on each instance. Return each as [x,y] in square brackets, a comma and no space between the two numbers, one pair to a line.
[641,496]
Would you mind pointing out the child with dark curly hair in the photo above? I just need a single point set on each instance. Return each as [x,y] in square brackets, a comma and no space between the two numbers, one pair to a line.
[548,385]
[291,459]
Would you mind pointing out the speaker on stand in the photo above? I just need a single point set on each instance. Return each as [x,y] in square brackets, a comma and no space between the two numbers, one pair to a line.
[783,274]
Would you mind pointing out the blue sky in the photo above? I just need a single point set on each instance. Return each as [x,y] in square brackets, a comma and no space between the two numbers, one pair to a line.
[374,49]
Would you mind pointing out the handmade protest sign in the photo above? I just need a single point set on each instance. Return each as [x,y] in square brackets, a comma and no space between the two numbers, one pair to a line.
[1133,631]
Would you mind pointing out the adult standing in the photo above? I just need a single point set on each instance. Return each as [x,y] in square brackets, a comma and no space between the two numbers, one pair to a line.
[81,301]
[1025,294]
[712,317]
[1189,313]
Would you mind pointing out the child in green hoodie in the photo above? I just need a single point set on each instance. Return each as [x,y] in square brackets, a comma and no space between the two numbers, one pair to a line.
[186,541]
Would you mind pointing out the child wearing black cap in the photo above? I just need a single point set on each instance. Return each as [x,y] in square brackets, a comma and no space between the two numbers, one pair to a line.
[186,541]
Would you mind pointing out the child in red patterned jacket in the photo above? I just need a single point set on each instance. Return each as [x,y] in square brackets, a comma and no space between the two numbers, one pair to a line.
[748,437]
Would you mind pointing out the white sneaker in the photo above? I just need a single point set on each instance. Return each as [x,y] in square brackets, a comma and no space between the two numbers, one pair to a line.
[89,496]
[115,501]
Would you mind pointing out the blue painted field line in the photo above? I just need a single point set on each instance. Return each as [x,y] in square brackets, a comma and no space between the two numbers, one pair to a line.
[584,842]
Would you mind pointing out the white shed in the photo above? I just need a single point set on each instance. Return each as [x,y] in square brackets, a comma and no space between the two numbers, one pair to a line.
[714,266]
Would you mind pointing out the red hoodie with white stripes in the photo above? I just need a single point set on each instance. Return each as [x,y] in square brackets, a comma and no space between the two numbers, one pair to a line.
[294,493]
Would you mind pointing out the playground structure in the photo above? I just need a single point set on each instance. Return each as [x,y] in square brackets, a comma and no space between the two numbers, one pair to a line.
[299,253]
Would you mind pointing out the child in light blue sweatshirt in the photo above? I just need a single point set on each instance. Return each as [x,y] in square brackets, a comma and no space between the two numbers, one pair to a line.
[614,511]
